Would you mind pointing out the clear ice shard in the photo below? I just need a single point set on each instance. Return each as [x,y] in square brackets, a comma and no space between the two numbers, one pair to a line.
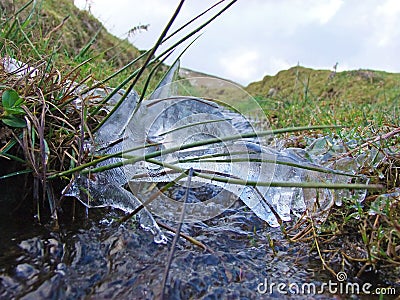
[106,188]
[165,136]
[169,122]
[179,121]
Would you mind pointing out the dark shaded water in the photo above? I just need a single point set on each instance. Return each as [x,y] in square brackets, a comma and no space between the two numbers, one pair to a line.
[95,258]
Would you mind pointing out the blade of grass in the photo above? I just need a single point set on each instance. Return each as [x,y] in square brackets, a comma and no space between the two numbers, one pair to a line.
[272,183]
[15,174]
[95,161]
[285,163]
[178,43]
[144,66]
[141,56]
[166,74]
[29,42]
[177,234]
[17,12]
[174,149]
[148,80]
[88,45]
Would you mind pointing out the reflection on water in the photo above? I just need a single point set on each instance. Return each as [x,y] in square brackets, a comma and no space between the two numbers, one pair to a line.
[96,258]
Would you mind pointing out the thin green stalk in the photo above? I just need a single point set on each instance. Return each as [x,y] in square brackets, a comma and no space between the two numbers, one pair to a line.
[177,234]
[29,42]
[88,45]
[17,12]
[48,67]
[115,90]
[254,183]
[192,145]
[177,44]
[191,21]
[96,161]
[273,161]
[196,30]
[145,65]
[141,56]
[149,77]
[15,174]
[121,85]
[13,157]
[9,30]
[154,69]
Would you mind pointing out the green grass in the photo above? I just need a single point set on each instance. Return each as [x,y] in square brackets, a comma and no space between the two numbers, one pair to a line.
[305,96]
[367,103]
[64,36]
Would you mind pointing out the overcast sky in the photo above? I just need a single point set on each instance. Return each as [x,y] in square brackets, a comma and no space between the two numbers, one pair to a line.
[255,38]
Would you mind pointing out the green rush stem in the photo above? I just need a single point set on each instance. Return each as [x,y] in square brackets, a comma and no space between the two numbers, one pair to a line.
[274,161]
[161,55]
[29,41]
[153,70]
[96,161]
[145,64]
[272,183]
[17,13]
[136,60]
[146,85]
[183,147]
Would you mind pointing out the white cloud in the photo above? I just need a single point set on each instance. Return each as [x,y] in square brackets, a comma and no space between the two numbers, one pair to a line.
[389,8]
[240,65]
[255,38]
[325,11]
[388,22]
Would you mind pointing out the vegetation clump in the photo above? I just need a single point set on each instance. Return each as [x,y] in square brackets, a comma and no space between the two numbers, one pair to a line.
[303,96]
[367,103]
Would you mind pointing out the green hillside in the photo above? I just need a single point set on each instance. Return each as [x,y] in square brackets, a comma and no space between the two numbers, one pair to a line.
[59,32]
[303,96]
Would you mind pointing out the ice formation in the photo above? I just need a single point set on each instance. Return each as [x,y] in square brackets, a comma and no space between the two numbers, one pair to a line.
[172,128]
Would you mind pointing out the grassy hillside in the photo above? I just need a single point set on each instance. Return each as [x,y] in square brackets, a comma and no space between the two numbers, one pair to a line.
[303,96]
[60,33]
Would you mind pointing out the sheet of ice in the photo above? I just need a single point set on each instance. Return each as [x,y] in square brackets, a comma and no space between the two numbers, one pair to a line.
[169,123]
[106,188]
[179,121]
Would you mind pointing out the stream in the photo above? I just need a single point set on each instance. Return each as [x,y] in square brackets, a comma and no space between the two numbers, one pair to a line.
[93,257]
